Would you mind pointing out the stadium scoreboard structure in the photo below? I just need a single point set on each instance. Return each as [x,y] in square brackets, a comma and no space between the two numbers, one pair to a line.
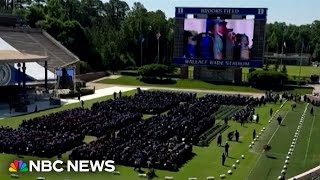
[221,38]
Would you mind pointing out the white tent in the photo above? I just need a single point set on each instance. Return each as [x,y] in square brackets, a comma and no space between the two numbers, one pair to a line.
[33,69]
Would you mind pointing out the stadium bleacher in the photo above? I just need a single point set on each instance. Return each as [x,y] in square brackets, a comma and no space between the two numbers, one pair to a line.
[38,42]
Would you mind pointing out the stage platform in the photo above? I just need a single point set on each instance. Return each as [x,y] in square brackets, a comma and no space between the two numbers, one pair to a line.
[45,104]
[41,105]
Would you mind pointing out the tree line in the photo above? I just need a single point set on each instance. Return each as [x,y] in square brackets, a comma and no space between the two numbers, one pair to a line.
[113,36]
[294,39]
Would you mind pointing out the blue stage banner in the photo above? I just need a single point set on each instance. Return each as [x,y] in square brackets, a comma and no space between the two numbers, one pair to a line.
[217,63]
[261,12]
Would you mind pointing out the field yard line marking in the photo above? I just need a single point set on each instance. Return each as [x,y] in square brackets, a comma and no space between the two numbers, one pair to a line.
[305,157]
[284,118]
[267,143]
[303,115]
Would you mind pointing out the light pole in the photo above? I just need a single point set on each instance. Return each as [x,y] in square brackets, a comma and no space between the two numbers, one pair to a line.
[158,38]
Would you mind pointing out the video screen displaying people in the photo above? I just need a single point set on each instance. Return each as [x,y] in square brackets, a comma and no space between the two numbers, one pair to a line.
[220,39]
[66,77]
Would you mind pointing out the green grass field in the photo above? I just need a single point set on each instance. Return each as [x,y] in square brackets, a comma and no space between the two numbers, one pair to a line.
[306,151]
[180,83]
[306,71]
[194,84]
[207,161]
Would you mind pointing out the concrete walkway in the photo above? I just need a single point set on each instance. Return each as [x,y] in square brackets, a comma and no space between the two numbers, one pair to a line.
[108,77]
[106,91]
[99,86]
[316,88]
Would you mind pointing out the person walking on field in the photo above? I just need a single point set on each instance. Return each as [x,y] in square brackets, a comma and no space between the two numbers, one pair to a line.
[237,135]
[271,112]
[279,119]
[242,122]
[311,111]
[226,148]
[219,140]
[223,159]
[254,134]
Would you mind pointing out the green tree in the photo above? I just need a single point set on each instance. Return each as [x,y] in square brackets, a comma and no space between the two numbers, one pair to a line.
[55,9]
[153,70]
[110,34]
[35,14]
[267,79]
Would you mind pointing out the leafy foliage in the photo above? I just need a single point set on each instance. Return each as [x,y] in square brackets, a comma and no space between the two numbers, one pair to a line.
[315,78]
[111,35]
[267,79]
[105,35]
[296,38]
[153,70]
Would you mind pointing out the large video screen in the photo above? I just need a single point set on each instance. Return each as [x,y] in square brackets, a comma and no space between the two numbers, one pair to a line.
[65,76]
[219,39]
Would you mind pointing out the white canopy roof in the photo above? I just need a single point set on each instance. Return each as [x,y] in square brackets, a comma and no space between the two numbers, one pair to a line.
[33,69]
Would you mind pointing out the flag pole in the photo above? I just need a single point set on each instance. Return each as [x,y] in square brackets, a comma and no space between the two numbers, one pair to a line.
[282,50]
[302,46]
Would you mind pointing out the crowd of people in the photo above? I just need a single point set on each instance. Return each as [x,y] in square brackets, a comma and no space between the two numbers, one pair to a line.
[24,141]
[53,134]
[82,121]
[313,99]
[163,141]
[244,114]
[146,102]
[233,100]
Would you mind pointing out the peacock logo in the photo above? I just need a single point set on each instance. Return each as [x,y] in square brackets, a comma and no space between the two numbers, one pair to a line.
[18,165]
